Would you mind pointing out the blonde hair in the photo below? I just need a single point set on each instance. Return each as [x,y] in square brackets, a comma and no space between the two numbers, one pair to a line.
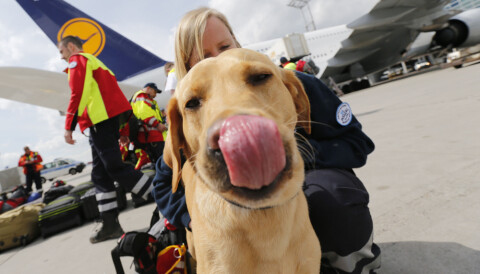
[168,67]
[189,37]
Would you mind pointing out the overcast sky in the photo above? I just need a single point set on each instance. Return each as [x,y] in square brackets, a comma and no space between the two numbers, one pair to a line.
[151,24]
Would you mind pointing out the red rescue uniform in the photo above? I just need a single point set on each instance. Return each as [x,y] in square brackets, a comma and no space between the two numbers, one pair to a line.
[95,96]
[37,159]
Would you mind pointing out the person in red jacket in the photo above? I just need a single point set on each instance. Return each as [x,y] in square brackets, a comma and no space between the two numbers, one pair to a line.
[96,103]
[30,161]
[153,132]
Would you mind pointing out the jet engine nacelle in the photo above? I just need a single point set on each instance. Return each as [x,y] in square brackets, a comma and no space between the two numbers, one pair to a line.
[463,30]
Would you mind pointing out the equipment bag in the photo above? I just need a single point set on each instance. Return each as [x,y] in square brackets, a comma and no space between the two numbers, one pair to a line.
[35,197]
[172,259]
[81,189]
[89,205]
[161,250]
[19,196]
[149,255]
[54,192]
[11,203]
[59,215]
[139,201]
[141,246]
[19,226]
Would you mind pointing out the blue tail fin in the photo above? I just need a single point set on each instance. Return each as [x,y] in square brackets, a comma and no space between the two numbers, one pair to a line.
[59,19]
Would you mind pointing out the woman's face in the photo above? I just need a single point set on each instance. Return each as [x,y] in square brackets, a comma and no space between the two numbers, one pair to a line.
[216,39]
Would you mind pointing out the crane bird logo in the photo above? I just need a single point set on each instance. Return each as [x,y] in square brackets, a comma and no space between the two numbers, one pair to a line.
[89,31]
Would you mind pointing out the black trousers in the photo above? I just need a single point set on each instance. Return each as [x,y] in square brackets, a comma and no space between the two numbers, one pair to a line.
[33,176]
[107,164]
[338,208]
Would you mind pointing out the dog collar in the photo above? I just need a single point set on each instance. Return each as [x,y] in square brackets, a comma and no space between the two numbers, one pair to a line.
[260,208]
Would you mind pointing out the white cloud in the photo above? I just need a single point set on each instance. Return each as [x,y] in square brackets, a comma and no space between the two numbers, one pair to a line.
[8,159]
[51,120]
[10,47]
[55,64]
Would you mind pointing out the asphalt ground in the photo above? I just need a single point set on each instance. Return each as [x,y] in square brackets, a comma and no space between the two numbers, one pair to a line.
[423,179]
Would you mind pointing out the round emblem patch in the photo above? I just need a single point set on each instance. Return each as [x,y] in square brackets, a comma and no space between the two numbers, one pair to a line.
[344,114]
[72,65]
[88,31]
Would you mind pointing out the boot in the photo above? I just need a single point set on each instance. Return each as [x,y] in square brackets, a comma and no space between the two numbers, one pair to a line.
[108,227]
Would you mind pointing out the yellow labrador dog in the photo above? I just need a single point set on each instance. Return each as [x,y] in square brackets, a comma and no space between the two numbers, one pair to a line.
[234,117]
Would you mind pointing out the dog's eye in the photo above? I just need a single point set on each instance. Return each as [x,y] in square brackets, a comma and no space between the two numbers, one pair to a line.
[257,79]
[193,103]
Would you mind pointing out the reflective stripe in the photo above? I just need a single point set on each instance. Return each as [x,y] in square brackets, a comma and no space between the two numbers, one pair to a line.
[106,195]
[140,184]
[151,121]
[372,266]
[149,190]
[290,66]
[107,207]
[149,128]
[141,99]
[349,262]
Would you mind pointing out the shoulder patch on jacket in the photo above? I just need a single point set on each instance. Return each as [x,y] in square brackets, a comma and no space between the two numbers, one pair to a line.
[344,114]
[72,65]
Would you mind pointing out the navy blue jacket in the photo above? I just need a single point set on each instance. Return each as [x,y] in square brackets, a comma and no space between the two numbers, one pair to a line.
[334,146]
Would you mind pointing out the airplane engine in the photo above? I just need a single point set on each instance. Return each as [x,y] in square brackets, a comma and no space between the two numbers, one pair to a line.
[463,30]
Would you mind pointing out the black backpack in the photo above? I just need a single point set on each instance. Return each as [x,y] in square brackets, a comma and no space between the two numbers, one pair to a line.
[144,247]
[56,191]
[134,123]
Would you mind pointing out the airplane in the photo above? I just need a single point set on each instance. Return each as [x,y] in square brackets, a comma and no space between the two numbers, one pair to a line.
[393,31]
[373,42]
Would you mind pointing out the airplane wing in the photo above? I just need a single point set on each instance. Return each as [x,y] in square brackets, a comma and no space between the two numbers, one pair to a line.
[381,37]
[41,88]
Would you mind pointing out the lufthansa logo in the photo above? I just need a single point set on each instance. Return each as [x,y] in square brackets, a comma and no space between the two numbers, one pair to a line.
[89,31]
[344,114]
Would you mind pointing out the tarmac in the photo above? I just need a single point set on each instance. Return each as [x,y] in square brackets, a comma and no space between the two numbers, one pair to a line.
[423,179]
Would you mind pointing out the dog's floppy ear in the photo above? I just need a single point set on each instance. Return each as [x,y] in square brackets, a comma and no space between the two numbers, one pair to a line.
[175,142]
[300,98]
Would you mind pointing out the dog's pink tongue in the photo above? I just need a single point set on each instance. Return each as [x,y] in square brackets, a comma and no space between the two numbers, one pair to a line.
[252,149]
